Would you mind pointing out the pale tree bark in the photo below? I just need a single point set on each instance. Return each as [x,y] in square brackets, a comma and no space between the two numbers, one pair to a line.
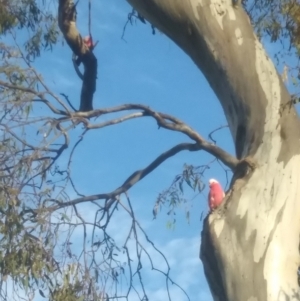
[250,246]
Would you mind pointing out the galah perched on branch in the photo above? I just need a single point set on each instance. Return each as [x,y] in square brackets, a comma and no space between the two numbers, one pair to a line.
[216,194]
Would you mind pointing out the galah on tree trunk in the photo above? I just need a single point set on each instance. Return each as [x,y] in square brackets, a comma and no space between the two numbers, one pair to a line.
[87,40]
[216,194]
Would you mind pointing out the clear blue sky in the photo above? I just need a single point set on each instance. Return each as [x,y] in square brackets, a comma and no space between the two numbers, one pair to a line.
[152,70]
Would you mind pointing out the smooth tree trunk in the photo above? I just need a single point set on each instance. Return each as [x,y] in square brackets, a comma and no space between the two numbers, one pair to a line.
[250,245]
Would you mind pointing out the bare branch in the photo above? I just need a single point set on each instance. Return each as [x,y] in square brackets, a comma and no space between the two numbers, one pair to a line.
[130,211]
[133,179]
[216,130]
[115,121]
[163,120]
[68,101]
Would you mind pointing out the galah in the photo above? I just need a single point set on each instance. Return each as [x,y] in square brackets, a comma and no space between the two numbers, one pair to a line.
[87,40]
[216,194]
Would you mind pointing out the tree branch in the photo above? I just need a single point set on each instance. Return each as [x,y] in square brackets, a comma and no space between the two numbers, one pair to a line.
[163,120]
[131,180]
[67,25]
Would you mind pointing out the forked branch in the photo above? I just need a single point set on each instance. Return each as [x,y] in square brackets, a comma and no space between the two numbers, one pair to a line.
[163,120]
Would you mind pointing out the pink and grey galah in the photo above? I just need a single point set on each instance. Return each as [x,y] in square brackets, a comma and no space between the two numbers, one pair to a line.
[87,40]
[216,194]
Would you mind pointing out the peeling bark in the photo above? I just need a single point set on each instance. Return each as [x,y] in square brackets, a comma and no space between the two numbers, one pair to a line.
[250,245]
[67,25]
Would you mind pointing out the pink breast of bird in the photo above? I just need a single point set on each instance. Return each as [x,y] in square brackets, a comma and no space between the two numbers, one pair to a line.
[88,41]
[215,196]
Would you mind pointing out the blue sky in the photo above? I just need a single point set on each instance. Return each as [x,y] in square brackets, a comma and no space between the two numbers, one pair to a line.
[152,70]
